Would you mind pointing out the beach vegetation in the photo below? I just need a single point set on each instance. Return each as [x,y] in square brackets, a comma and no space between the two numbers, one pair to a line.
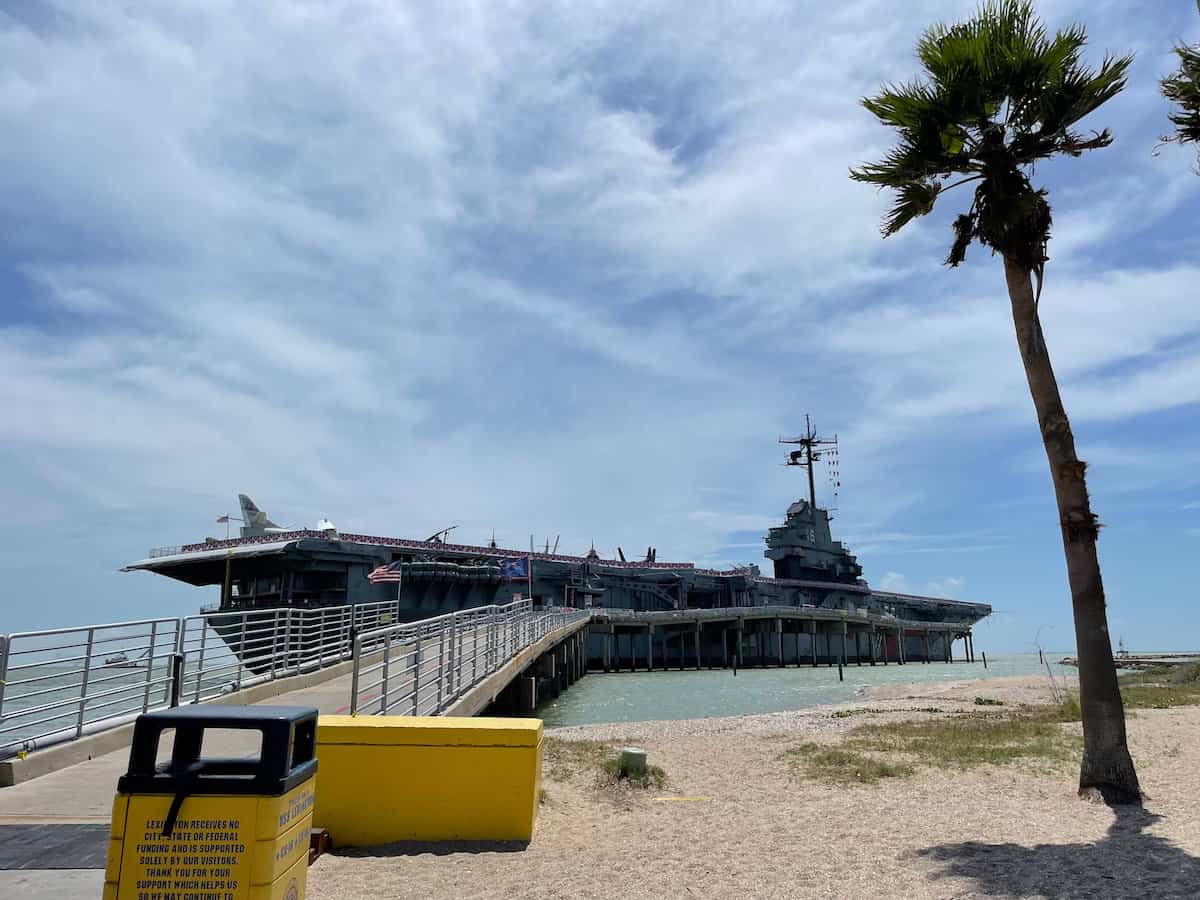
[651,777]
[988,701]
[838,765]
[564,759]
[967,740]
[1064,708]
[999,95]
[1162,687]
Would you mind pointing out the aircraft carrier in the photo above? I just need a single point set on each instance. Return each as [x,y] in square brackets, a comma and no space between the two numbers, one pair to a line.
[269,567]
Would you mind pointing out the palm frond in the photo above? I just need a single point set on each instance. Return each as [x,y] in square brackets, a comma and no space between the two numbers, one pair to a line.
[912,200]
[1182,88]
[999,93]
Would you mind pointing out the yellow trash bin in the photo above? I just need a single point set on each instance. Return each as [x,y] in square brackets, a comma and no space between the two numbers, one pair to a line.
[205,827]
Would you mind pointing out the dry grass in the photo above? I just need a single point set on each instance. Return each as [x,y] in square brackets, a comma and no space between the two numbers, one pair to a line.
[653,777]
[872,752]
[566,760]
[1164,687]
[563,760]
[837,766]
[965,741]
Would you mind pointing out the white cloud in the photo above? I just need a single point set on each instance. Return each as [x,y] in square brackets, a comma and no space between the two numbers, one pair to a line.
[538,268]
[947,586]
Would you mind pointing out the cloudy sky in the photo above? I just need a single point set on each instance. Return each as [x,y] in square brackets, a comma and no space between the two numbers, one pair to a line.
[564,269]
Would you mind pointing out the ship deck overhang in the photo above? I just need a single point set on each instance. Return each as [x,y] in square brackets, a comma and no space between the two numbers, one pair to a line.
[207,567]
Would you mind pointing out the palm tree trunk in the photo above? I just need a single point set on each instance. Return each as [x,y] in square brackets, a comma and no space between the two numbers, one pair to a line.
[1107,766]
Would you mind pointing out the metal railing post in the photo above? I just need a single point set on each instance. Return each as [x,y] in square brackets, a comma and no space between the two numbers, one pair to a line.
[356,656]
[441,669]
[149,666]
[87,671]
[494,639]
[474,650]
[200,666]
[4,641]
[417,677]
[176,678]
[177,649]
[383,685]
[450,680]
[274,644]
[241,656]
[458,674]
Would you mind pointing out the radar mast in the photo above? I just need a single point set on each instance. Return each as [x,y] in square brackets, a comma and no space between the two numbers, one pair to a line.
[812,448]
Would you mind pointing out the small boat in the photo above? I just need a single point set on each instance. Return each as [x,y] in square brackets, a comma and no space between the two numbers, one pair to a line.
[120,661]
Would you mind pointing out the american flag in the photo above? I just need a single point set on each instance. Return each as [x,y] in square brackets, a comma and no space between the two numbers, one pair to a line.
[386,573]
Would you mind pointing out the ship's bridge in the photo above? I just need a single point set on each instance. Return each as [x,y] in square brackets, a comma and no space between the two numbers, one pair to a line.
[804,548]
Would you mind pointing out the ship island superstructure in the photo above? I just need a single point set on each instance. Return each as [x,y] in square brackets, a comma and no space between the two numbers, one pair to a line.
[269,567]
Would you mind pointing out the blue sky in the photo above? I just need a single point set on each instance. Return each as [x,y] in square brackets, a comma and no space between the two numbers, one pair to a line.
[568,269]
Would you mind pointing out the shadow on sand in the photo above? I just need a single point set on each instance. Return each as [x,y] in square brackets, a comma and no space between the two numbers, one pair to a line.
[436,848]
[1128,862]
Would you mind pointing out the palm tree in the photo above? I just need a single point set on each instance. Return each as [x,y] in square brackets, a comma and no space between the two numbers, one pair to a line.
[1182,88]
[999,95]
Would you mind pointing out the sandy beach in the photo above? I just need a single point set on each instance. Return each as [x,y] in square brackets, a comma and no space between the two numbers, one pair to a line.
[736,821]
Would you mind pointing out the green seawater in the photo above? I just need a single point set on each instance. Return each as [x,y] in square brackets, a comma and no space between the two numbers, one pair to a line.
[642,696]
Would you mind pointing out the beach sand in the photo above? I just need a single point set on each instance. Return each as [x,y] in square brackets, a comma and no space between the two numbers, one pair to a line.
[735,821]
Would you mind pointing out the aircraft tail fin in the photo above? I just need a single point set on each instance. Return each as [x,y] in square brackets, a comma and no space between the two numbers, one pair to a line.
[254,520]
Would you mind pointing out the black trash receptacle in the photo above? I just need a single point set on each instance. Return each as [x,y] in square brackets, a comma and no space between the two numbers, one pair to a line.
[226,816]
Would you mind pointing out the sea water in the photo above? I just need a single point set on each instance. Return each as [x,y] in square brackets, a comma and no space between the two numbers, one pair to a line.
[641,696]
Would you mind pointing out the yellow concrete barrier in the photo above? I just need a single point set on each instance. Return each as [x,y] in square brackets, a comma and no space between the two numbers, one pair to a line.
[407,778]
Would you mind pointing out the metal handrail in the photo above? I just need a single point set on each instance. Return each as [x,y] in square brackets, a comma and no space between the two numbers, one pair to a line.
[423,668]
[59,684]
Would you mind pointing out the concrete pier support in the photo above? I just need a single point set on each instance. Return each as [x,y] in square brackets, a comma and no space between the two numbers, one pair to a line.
[779,640]
[527,693]
[697,636]
[810,628]
[649,648]
[548,672]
